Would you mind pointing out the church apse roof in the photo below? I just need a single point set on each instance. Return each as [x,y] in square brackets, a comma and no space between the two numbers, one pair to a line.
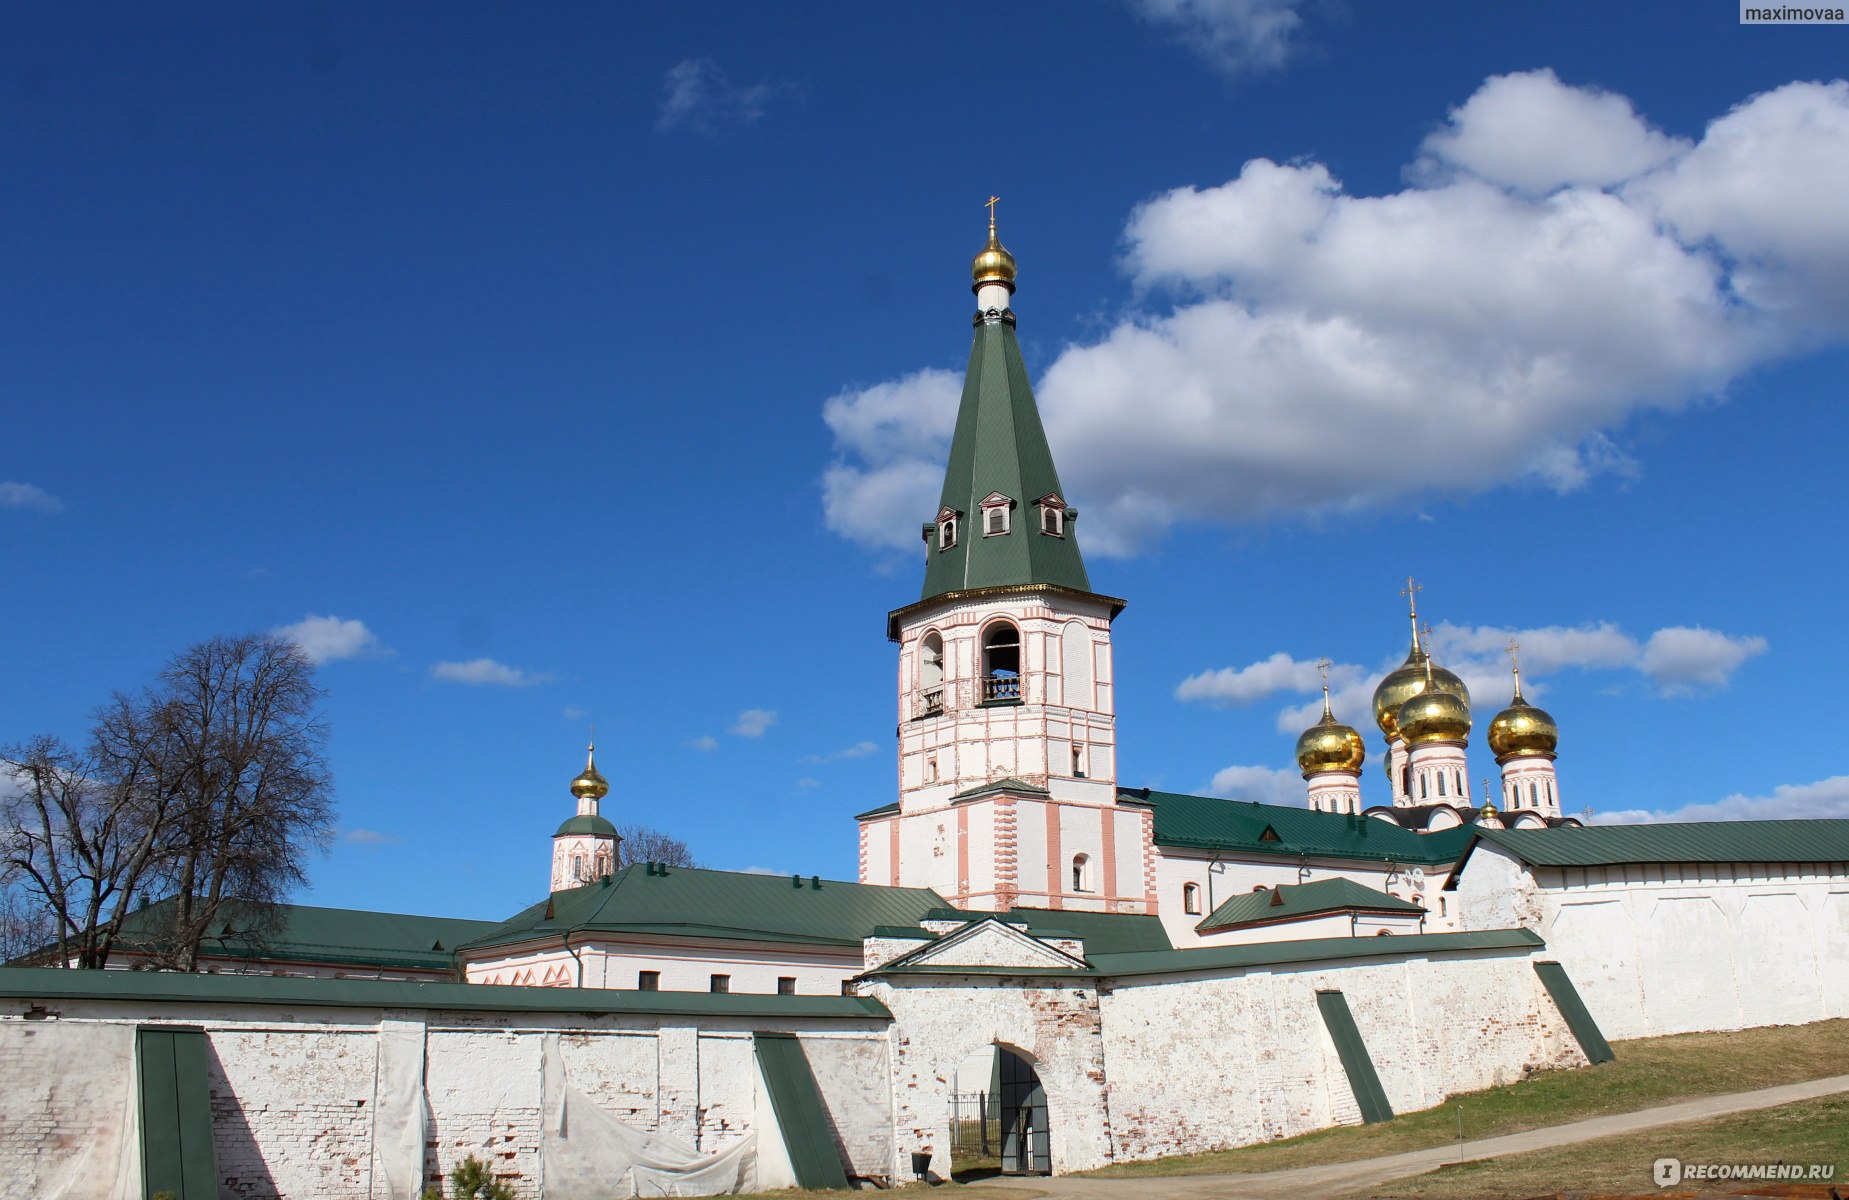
[650,898]
[1290,901]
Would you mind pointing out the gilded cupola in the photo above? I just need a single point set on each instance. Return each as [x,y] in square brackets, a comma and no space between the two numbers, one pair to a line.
[1329,745]
[1522,730]
[992,264]
[589,784]
[1412,677]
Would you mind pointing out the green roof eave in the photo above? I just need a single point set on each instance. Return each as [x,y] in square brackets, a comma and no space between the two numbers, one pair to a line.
[1000,785]
[884,810]
[56,983]
[1300,901]
[1264,954]
[901,616]
[1817,840]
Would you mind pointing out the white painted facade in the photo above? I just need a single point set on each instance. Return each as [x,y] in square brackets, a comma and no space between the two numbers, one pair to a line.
[1218,878]
[1677,948]
[604,961]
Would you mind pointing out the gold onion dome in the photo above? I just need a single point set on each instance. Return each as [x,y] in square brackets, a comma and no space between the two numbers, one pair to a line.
[589,784]
[1408,680]
[1329,745]
[1434,715]
[993,264]
[1522,730]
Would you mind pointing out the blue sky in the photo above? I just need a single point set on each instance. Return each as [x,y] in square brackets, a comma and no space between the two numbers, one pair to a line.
[593,362]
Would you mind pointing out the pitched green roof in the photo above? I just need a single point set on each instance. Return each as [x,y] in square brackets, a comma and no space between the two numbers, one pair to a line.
[54,983]
[1291,900]
[1103,933]
[327,935]
[1257,954]
[1000,446]
[1245,826]
[1812,841]
[645,898]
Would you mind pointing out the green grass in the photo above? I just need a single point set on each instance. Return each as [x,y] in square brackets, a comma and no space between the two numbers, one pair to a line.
[1814,1131]
[1648,1072]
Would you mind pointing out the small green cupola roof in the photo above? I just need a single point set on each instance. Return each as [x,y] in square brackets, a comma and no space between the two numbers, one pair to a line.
[1002,519]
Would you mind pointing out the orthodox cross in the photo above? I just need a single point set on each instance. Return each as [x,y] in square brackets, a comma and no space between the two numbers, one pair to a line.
[993,201]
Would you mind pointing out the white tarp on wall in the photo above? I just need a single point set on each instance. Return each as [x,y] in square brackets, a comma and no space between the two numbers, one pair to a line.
[587,1154]
[398,1111]
[68,1114]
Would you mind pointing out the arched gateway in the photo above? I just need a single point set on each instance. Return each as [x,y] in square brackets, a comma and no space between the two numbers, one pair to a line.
[1025,1146]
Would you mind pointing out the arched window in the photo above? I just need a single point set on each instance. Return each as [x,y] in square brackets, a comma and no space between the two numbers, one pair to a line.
[1534,795]
[1081,873]
[1424,791]
[931,673]
[1441,783]
[946,532]
[1384,933]
[603,865]
[577,867]
[1191,898]
[1441,906]
[1550,791]
[1001,662]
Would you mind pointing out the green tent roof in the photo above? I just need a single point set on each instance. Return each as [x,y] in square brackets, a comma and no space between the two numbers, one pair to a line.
[647,898]
[1291,900]
[1248,827]
[1811,841]
[327,935]
[1000,447]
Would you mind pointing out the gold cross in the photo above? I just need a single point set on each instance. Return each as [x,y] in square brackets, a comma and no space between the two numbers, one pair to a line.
[993,201]
[1323,665]
[1411,592]
[1514,651]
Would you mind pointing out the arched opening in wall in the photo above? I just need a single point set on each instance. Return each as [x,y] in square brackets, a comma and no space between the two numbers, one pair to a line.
[931,674]
[1001,662]
[1191,899]
[1026,1148]
[1081,873]
[577,868]
[998,1117]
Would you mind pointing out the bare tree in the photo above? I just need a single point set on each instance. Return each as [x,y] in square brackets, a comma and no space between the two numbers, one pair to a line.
[77,841]
[640,844]
[212,786]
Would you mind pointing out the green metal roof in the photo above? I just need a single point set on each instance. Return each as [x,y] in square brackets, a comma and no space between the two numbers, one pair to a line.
[1259,954]
[647,898]
[1246,826]
[1010,784]
[598,825]
[1811,841]
[56,983]
[1000,446]
[327,935]
[882,811]
[1291,900]
[1103,933]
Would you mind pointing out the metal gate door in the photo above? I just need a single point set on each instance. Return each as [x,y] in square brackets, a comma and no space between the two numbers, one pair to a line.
[1025,1149]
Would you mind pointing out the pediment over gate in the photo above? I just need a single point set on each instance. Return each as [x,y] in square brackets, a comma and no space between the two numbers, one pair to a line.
[990,943]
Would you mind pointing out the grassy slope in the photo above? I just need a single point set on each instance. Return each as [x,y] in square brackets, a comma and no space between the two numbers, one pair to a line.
[1815,1131]
[1648,1071]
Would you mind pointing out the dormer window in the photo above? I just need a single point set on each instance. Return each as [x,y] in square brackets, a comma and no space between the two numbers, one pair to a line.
[1052,515]
[946,528]
[995,510]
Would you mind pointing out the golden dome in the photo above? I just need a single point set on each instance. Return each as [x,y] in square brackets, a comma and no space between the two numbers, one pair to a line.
[993,264]
[589,783]
[1329,745]
[1408,680]
[1434,715]
[1523,731]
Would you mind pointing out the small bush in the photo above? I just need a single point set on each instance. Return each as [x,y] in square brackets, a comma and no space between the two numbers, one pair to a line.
[471,1180]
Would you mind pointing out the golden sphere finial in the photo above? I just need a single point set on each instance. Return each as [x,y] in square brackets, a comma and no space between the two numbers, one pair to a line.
[589,784]
[993,264]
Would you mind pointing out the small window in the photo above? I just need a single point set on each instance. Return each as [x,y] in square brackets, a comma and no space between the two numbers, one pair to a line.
[946,533]
[1550,791]
[1081,873]
[1078,762]
[786,985]
[577,868]
[1384,933]
[721,983]
[648,981]
[1191,898]
[1441,906]
[1052,521]
[994,521]
[847,987]
[1423,790]
[930,768]
[1441,783]
[1001,662]
[1534,795]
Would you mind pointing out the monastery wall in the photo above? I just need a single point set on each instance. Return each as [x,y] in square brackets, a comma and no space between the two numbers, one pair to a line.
[303,1102]
[1679,948]
[681,968]
[1263,1066]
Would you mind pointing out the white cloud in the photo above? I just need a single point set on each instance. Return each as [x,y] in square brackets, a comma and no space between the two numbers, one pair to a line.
[1508,316]
[753,722]
[1684,659]
[1263,784]
[1279,673]
[28,497]
[706,743]
[1533,133]
[572,712]
[1233,35]
[1788,801]
[697,95]
[900,433]
[808,782]
[370,837]
[487,672]
[325,639]
[857,750]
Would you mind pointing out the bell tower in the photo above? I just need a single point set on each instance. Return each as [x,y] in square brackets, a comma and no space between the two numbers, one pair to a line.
[1007,726]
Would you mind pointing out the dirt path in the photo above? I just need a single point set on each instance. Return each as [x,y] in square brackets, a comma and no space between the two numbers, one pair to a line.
[1338,1179]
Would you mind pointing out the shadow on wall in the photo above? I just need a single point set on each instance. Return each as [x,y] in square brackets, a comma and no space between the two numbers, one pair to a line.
[241,1169]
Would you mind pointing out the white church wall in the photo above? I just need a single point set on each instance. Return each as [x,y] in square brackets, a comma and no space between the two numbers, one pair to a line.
[1679,948]
[1222,880]
[681,967]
